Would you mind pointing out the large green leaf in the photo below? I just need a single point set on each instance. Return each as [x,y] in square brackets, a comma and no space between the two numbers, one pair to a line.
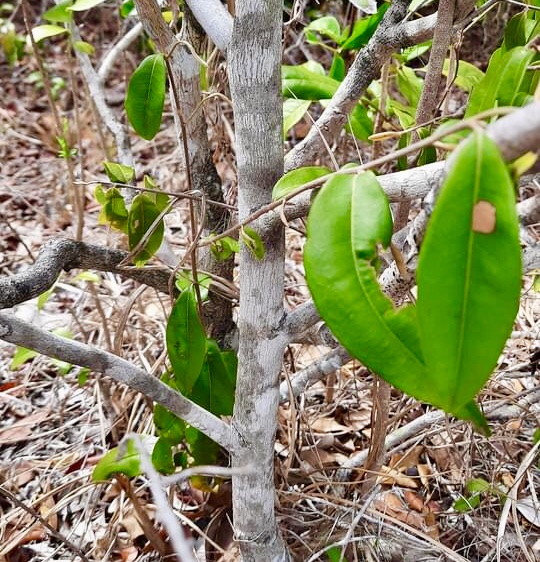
[502,83]
[303,83]
[342,236]
[363,29]
[142,214]
[344,287]
[186,341]
[146,96]
[469,273]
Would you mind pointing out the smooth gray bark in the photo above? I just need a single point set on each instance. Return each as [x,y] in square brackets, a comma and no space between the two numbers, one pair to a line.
[254,58]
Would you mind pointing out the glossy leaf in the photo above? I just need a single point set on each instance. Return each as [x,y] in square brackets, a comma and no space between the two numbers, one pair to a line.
[502,83]
[363,29]
[327,26]
[119,173]
[345,290]
[202,448]
[410,85]
[224,248]
[359,123]
[84,47]
[214,389]
[295,178]
[142,214]
[338,69]
[123,460]
[469,273]
[253,242]
[60,13]
[114,211]
[293,112]
[467,75]
[45,31]
[303,83]
[146,96]
[162,457]
[81,5]
[169,426]
[186,341]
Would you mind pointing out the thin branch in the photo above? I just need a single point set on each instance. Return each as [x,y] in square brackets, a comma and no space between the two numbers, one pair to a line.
[391,35]
[442,37]
[495,411]
[50,529]
[316,371]
[59,255]
[214,18]
[19,332]
[116,50]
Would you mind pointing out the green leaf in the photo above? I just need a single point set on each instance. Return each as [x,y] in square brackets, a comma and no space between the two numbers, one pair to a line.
[146,96]
[80,5]
[303,83]
[477,486]
[328,26]
[119,173]
[464,505]
[337,70]
[126,8]
[469,273]
[520,30]
[293,111]
[409,84]
[467,76]
[59,13]
[334,554]
[169,427]
[224,248]
[21,356]
[202,448]
[253,241]
[363,29]
[162,457]
[295,178]
[123,460]
[44,297]
[142,214]
[45,31]
[84,47]
[502,83]
[345,289]
[186,341]
[114,211]
[360,124]
[214,389]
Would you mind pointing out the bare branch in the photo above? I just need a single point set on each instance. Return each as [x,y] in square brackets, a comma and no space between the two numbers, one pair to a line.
[61,254]
[214,18]
[19,332]
[316,371]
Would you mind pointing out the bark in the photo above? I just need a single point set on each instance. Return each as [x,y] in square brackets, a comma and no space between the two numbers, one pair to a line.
[186,98]
[254,73]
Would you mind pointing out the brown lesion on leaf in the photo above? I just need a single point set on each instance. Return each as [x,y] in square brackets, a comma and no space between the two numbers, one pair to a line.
[484,218]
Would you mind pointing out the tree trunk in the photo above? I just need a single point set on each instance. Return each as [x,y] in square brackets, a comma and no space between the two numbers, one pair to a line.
[254,60]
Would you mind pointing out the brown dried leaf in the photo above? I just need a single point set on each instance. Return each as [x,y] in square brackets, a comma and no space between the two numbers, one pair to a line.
[22,429]
[328,425]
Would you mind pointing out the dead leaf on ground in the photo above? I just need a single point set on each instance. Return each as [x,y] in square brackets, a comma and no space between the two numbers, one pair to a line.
[22,429]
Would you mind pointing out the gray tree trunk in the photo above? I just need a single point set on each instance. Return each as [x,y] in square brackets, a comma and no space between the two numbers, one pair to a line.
[254,58]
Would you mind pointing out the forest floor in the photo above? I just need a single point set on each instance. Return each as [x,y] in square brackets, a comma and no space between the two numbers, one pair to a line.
[445,492]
